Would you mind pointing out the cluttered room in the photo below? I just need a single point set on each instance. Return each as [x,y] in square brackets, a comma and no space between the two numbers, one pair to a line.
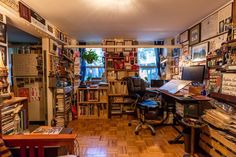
[117,78]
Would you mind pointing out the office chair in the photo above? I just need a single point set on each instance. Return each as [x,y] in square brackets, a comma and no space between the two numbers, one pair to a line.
[147,104]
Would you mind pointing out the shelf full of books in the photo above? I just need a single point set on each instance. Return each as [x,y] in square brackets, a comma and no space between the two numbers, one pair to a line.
[92,103]
[120,62]
[14,115]
[63,106]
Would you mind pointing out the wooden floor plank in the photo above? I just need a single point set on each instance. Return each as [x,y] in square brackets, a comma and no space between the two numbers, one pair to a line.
[114,138]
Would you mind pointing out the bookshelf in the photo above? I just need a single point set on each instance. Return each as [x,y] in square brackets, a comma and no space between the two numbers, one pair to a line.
[92,103]
[62,110]
[8,117]
[117,91]
[119,63]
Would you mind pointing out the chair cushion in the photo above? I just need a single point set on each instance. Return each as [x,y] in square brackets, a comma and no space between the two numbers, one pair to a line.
[148,104]
[4,151]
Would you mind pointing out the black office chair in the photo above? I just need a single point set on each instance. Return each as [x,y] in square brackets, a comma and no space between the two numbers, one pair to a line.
[147,104]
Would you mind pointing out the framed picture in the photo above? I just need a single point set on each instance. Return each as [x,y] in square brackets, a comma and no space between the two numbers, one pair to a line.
[221,26]
[119,49]
[184,37]
[24,12]
[199,52]
[3,51]
[227,23]
[194,34]
[128,43]
[110,43]
[3,31]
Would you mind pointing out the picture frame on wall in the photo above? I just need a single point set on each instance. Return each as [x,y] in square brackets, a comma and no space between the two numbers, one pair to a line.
[3,52]
[3,31]
[221,26]
[110,43]
[128,43]
[195,34]
[227,23]
[24,12]
[199,52]
[184,37]
[119,49]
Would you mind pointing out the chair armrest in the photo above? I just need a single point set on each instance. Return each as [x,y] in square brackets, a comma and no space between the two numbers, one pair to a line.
[152,92]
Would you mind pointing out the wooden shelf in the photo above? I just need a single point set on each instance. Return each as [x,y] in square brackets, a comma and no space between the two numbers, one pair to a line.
[98,88]
[92,102]
[214,57]
[67,58]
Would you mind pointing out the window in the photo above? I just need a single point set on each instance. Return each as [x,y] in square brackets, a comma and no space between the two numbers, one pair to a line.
[96,69]
[147,61]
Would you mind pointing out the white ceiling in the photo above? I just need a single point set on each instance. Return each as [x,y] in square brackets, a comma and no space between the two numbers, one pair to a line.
[145,20]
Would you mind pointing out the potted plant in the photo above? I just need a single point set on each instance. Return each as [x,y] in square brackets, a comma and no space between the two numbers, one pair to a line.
[90,56]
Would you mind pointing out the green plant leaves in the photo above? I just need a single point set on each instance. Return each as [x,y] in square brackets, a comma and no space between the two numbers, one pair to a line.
[90,56]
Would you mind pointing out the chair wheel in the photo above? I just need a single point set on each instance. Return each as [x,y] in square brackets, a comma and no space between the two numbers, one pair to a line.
[153,133]
[136,132]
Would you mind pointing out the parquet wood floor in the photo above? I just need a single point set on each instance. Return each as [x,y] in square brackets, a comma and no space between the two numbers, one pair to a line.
[114,138]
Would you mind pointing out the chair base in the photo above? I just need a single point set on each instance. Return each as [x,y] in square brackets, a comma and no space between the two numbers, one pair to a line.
[139,126]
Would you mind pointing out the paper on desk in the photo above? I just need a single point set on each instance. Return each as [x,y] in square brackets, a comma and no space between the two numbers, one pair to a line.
[174,86]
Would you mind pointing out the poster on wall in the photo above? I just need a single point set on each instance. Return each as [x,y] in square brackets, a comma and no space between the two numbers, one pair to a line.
[24,12]
[37,20]
[3,53]
[110,49]
[24,92]
[199,52]
[224,19]
[3,31]
[50,29]
[209,27]
[215,43]
[194,35]
[184,37]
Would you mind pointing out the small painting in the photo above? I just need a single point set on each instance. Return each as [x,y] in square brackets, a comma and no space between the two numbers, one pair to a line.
[199,52]
[194,35]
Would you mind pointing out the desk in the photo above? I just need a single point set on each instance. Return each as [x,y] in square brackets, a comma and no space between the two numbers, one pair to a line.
[171,99]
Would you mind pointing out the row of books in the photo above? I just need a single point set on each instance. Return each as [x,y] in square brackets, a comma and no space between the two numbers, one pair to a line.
[98,110]
[118,87]
[63,106]
[92,95]
[8,121]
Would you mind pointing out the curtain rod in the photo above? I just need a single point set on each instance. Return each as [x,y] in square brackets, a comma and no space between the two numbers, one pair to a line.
[123,46]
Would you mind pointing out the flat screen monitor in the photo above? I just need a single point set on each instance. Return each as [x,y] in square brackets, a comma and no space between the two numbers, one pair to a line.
[194,73]
[158,83]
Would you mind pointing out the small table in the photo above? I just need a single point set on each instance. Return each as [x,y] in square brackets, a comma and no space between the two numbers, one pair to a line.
[172,99]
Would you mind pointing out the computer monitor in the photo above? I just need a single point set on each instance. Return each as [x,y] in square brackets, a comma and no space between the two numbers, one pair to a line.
[194,73]
[158,83]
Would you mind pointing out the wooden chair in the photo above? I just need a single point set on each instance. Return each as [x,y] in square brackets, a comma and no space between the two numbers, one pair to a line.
[35,144]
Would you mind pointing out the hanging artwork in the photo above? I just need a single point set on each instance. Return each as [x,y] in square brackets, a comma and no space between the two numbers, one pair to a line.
[199,52]
[119,49]
[3,54]
[3,32]
[184,37]
[194,35]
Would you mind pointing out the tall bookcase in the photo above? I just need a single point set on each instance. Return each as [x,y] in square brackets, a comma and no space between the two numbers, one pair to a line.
[92,103]
[62,110]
